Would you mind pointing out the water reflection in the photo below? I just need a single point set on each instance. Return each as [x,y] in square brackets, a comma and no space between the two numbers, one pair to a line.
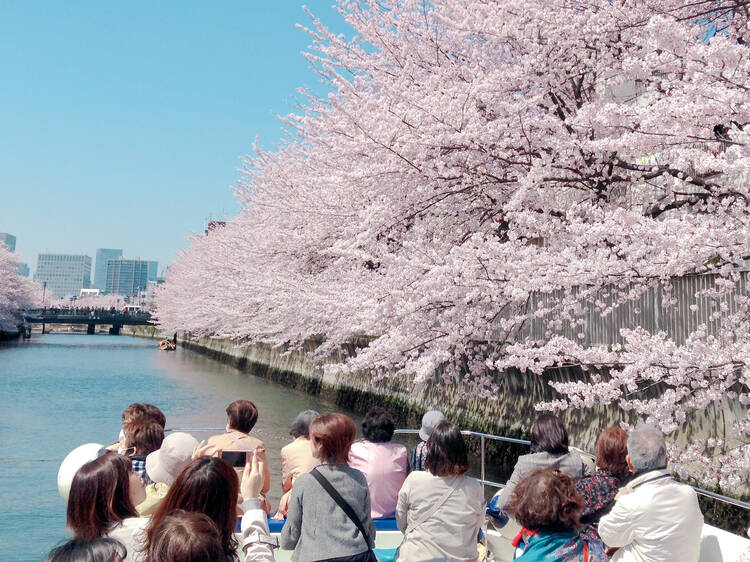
[58,391]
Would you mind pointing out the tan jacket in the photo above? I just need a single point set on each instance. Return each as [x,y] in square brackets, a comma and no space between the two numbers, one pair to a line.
[234,440]
[296,458]
[154,494]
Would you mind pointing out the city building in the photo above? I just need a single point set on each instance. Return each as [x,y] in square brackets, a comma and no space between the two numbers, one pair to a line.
[126,276]
[153,267]
[9,240]
[63,274]
[22,269]
[103,255]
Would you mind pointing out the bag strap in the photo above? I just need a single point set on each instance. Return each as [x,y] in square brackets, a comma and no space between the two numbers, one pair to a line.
[434,508]
[342,503]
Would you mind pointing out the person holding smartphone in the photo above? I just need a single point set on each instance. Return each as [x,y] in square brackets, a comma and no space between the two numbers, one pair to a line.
[199,515]
[241,418]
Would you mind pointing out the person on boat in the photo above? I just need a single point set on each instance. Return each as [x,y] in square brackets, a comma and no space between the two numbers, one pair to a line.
[654,518]
[241,418]
[102,501]
[141,410]
[441,510]
[296,458]
[163,466]
[384,464]
[418,453]
[549,449]
[548,507]
[138,411]
[186,535]
[598,490]
[100,549]
[207,485]
[329,511]
[141,438]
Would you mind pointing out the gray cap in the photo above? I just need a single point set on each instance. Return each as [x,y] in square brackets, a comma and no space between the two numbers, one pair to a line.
[429,421]
[301,425]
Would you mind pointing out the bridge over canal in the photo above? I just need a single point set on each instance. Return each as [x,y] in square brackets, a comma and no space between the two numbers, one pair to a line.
[89,316]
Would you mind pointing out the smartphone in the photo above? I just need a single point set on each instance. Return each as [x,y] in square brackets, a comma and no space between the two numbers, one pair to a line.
[237,458]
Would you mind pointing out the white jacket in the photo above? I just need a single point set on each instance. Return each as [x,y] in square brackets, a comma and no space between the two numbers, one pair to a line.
[448,533]
[654,519]
[254,528]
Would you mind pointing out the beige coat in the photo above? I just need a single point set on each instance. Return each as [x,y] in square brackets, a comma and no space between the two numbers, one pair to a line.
[234,440]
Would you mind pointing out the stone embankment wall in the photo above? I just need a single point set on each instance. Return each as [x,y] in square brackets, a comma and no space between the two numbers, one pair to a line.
[510,413]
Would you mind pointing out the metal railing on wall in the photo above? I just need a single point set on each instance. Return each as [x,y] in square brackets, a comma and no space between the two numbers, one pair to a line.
[483,438]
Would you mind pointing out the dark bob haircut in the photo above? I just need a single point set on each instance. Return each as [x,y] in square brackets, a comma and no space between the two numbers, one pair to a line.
[100,496]
[446,451]
[549,435]
[378,425]
[207,485]
[332,436]
[242,415]
[611,450]
[184,536]
[546,500]
[102,549]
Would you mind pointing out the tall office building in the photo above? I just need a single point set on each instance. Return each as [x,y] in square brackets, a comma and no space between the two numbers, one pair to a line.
[65,274]
[126,277]
[103,255]
[9,240]
[22,269]
[153,273]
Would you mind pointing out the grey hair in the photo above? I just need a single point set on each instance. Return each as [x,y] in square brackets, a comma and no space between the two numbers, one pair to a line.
[646,447]
[301,427]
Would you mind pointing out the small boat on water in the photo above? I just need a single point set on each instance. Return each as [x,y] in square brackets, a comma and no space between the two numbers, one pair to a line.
[168,345]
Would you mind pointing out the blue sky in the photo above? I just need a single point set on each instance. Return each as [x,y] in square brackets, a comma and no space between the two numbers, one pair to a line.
[123,124]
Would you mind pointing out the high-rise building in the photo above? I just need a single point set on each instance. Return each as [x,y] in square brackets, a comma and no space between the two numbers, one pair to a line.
[22,269]
[126,277]
[103,255]
[64,274]
[153,267]
[9,240]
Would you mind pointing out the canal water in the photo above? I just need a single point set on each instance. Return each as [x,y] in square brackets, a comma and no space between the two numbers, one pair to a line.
[59,391]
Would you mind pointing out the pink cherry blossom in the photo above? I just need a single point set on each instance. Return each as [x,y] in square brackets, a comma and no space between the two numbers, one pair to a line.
[484,181]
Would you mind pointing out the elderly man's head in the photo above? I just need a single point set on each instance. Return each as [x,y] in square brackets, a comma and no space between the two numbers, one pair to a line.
[646,448]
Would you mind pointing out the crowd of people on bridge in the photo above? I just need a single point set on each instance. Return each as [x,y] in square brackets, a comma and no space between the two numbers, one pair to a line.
[154,498]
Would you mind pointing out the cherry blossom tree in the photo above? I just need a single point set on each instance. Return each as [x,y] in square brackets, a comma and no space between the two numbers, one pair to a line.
[16,291]
[485,176]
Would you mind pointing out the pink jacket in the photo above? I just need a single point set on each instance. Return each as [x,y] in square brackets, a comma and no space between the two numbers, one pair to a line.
[296,458]
[385,466]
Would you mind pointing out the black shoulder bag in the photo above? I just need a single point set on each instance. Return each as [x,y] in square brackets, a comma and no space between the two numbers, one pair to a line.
[368,556]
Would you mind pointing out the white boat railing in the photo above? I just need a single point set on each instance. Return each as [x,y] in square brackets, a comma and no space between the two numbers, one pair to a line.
[483,438]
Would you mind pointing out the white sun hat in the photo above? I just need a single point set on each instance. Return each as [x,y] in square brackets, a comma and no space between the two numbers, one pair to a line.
[176,452]
[71,463]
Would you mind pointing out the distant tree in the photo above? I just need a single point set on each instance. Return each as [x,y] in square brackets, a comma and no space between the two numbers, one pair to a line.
[16,291]
[476,158]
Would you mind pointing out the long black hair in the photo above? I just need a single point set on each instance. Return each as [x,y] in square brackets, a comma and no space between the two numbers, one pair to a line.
[447,454]
[549,435]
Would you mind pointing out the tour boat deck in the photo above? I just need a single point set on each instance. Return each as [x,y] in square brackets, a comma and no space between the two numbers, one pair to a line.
[717,545]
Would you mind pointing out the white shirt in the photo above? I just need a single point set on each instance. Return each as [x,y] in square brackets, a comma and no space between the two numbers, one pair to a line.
[451,532]
[132,533]
[654,519]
